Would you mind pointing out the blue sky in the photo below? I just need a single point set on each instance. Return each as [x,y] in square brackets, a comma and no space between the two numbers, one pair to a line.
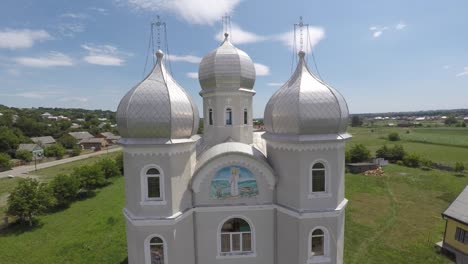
[381,55]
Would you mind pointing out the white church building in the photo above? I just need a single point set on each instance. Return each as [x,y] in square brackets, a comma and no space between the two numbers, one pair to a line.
[233,195]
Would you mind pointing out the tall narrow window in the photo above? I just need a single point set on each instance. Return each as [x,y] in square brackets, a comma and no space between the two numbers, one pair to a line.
[153,178]
[317,243]
[236,237]
[318,177]
[156,246]
[245,117]
[210,116]
[461,235]
[228,116]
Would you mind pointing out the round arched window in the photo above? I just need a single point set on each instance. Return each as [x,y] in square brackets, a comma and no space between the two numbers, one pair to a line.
[236,237]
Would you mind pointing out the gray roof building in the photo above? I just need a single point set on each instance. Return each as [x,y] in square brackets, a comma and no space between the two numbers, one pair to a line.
[80,135]
[458,210]
[44,140]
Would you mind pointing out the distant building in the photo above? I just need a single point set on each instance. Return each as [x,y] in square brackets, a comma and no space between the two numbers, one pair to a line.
[93,143]
[35,149]
[1,114]
[80,135]
[47,140]
[75,126]
[465,119]
[456,229]
[46,115]
[80,120]
[110,137]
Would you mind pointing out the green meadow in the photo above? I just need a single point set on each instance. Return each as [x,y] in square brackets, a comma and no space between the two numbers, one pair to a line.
[395,218]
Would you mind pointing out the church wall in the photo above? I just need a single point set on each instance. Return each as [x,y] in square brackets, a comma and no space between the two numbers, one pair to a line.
[287,228]
[207,224]
[219,132]
[179,241]
[176,172]
[205,195]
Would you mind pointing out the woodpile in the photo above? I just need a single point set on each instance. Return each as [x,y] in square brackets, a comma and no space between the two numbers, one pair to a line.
[376,172]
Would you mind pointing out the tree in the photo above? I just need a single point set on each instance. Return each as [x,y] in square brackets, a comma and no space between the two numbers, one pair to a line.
[109,168]
[398,153]
[29,199]
[24,155]
[450,120]
[356,121]
[394,136]
[67,141]
[412,160]
[9,141]
[76,151]
[384,152]
[5,162]
[65,188]
[55,150]
[359,153]
[90,176]
[459,166]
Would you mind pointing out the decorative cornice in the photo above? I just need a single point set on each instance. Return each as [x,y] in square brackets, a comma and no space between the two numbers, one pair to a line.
[159,150]
[227,92]
[303,146]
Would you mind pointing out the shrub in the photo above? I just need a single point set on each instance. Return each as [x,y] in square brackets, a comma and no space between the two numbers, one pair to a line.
[426,162]
[24,155]
[120,163]
[400,162]
[384,152]
[55,150]
[358,153]
[356,121]
[398,153]
[76,151]
[5,162]
[65,188]
[412,160]
[394,136]
[459,166]
[90,176]
[109,168]
[28,199]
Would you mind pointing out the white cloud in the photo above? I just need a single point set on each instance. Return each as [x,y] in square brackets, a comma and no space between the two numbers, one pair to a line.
[105,55]
[21,38]
[261,70]
[53,59]
[274,84]
[74,15]
[377,31]
[103,11]
[400,26]
[192,11]
[240,36]
[70,29]
[35,94]
[193,75]
[446,67]
[185,58]
[463,73]
[311,38]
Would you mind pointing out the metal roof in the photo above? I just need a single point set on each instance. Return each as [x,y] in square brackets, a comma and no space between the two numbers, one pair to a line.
[458,210]
[305,105]
[92,140]
[29,147]
[226,67]
[158,107]
[81,135]
[43,140]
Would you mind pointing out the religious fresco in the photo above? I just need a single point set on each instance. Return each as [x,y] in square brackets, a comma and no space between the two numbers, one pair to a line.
[233,182]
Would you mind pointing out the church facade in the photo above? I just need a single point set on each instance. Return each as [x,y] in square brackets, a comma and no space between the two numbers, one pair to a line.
[233,195]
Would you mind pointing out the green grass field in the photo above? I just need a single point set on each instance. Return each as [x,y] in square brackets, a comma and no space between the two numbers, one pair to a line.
[394,218]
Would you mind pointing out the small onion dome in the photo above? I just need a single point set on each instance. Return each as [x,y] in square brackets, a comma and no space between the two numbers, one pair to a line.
[157,107]
[226,67]
[304,105]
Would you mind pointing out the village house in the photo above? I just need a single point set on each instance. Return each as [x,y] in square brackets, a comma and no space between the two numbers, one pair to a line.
[35,149]
[80,135]
[93,143]
[110,137]
[44,141]
[455,241]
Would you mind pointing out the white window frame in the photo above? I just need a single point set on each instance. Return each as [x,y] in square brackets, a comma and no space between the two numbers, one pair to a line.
[225,116]
[148,252]
[325,193]
[223,255]
[326,247]
[145,200]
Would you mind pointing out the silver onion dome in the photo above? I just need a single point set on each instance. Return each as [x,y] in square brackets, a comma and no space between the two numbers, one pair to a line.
[226,67]
[157,107]
[304,105]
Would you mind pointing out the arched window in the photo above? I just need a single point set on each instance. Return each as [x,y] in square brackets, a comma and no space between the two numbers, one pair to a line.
[246,120]
[153,180]
[210,116]
[156,251]
[228,116]
[236,238]
[318,177]
[317,243]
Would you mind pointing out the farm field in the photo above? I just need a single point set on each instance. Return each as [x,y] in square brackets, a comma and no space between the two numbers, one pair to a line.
[394,218]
